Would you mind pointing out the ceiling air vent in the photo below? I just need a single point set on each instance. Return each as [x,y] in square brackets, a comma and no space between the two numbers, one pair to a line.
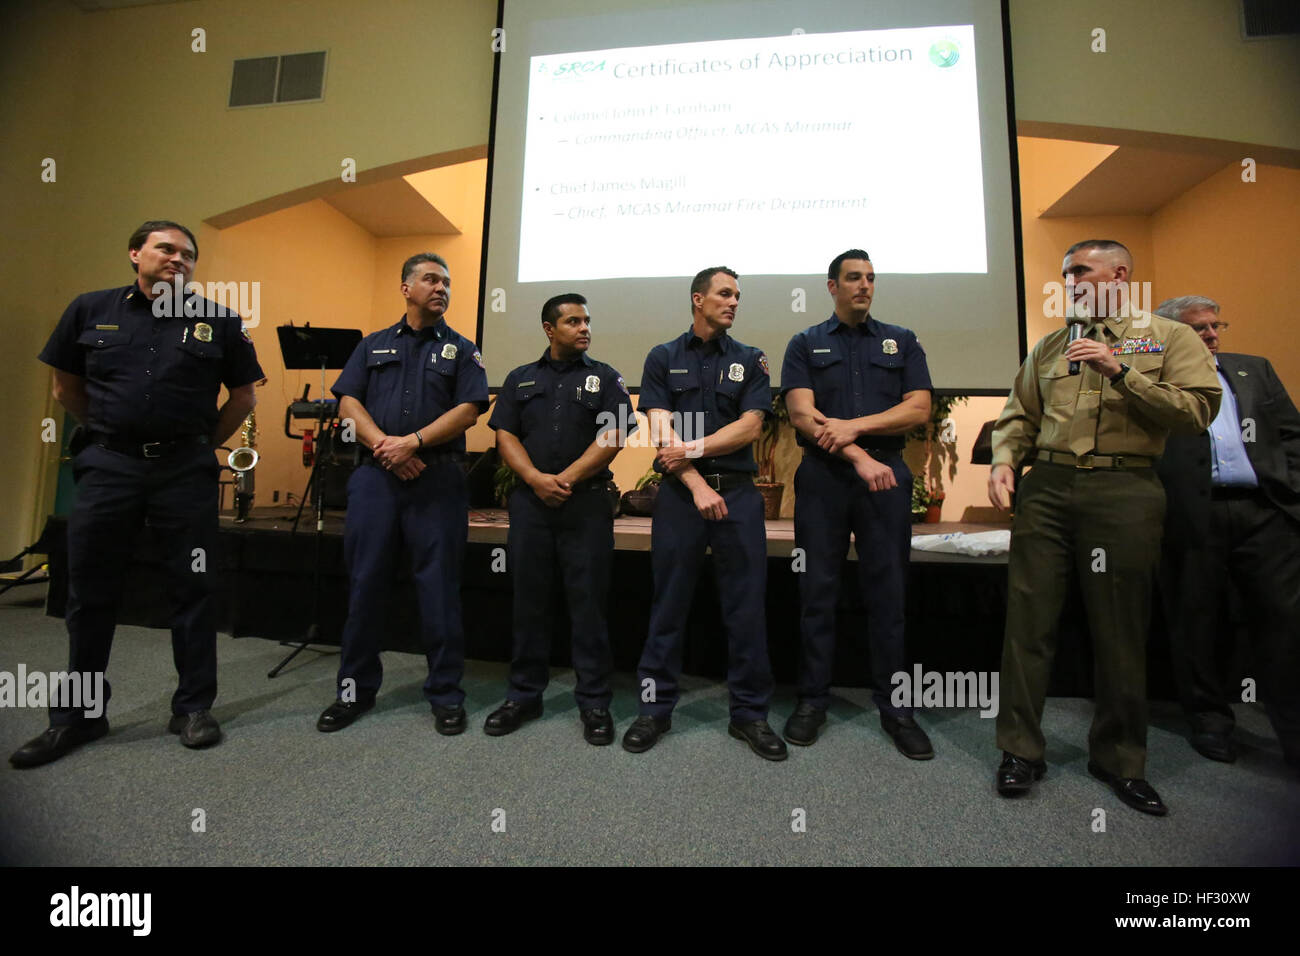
[1269,18]
[293,78]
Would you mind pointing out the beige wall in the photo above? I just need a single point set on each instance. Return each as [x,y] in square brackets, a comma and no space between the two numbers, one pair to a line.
[1170,66]
[1239,244]
[138,126]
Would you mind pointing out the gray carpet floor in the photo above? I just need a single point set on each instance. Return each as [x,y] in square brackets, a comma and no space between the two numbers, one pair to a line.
[390,791]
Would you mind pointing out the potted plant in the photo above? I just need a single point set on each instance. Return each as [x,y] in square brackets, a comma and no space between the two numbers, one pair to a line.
[640,501]
[504,481]
[765,454]
[940,441]
[920,499]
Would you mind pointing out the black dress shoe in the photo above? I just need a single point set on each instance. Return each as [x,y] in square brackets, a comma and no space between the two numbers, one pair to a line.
[449,721]
[58,741]
[199,729]
[511,715]
[339,715]
[761,738]
[909,738]
[1138,794]
[597,727]
[1016,775]
[803,724]
[1215,746]
[645,733]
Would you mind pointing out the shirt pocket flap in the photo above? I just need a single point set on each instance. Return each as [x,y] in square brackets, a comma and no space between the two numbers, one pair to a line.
[103,338]
[378,358]
[203,350]
[683,381]
[882,360]
[819,359]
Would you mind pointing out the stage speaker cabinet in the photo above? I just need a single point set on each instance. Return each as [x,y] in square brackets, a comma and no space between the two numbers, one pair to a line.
[335,484]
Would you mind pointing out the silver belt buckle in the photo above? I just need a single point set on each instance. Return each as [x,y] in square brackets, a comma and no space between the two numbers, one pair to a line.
[714,481]
[153,444]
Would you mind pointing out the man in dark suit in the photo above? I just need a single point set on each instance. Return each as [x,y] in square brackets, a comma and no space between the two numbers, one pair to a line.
[1234,515]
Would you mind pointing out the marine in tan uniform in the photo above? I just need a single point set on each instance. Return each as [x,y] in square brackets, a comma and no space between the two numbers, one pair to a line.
[1091,505]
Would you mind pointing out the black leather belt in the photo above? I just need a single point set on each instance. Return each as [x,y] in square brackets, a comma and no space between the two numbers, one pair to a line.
[149,449]
[726,480]
[1232,492]
[1088,462]
[591,484]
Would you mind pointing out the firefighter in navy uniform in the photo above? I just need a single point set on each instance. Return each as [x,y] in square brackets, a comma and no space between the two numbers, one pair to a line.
[412,390]
[718,392]
[141,370]
[559,422]
[854,387]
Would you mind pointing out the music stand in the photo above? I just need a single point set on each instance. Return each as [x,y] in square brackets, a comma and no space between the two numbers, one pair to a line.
[303,347]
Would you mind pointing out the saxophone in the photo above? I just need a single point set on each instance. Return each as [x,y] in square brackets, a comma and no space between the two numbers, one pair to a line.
[242,461]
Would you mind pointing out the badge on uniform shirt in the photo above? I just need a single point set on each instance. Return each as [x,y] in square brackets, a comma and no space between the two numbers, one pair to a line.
[889,347]
[737,372]
[203,331]
[762,363]
[478,359]
[449,351]
[593,383]
[622,385]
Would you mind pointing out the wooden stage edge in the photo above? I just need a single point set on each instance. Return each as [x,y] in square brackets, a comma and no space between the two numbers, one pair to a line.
[489,526]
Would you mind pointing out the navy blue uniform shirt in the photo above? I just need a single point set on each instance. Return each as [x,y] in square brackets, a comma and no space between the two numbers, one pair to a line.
[855,372]
[407,379]
[720,379]
[557,409]
[151,378]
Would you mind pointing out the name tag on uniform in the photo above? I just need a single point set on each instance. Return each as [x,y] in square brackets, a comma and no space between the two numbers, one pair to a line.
[820,351]
[106,328]
[383,351]
[526,384]
[678,371]
[1137,346]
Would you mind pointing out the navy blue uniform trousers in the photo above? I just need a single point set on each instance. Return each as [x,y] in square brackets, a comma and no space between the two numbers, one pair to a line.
[574,542]
[116,495]
[430,514]
[678,538]
[831,500]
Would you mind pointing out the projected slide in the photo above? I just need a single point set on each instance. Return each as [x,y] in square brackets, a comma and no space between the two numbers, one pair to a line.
[646,161]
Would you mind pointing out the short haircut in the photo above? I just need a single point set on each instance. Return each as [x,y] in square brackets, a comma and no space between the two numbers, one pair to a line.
[551,310]
[833,273]
[1177,308]
[703,280]
[409,265]
[1112,246]
[141,236]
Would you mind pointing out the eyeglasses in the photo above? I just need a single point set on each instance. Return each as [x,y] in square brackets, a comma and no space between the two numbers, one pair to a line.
[1217,326]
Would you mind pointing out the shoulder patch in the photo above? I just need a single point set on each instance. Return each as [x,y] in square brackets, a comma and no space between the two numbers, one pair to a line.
[762,363]
[478,358]
[623,386]
[243,331]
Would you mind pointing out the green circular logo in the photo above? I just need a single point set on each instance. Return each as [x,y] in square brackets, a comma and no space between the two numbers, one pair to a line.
[944,53]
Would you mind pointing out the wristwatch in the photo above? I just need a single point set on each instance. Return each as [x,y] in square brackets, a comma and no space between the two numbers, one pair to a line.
[1123,370]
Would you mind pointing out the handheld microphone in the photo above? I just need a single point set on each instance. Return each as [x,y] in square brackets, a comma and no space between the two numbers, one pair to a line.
[1076,324]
